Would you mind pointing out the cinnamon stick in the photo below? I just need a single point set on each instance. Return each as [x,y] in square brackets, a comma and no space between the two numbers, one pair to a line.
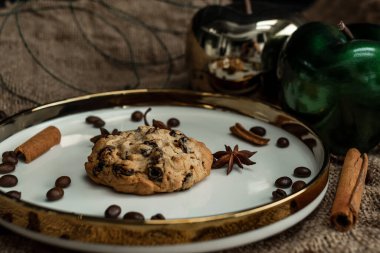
[239,131]
[39,143]
[345,209]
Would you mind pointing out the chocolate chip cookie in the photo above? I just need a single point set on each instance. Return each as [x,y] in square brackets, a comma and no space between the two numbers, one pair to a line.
[148,160]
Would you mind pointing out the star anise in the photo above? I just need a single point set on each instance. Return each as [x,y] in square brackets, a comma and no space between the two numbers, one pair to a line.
[231,157]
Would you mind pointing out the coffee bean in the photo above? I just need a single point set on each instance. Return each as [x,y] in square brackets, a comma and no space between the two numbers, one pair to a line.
[113,211]
[92,119]
[134,216]
[298,185]
[283,182]
[99,123]
[172,122]
[10,159]
[302,172]
[8,181]
[95,121]
[63,181]
[3,115]
[6,168]
[158,216]
[9,153]
[258,130]
[14,194]
[278,194]
[369,177]
[55,193]
[282,142]
[137,116]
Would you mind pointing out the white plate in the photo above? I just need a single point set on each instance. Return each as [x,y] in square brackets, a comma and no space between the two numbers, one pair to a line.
[219,194]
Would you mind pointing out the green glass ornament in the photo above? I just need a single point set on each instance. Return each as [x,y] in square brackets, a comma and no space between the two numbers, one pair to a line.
[330,78]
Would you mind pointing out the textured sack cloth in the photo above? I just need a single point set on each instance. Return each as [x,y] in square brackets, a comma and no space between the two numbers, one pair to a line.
[51,50]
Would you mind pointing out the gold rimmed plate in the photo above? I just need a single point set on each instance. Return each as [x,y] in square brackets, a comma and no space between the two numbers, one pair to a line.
[219,212]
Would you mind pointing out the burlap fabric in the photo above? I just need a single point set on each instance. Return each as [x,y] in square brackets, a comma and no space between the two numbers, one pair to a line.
[50,50]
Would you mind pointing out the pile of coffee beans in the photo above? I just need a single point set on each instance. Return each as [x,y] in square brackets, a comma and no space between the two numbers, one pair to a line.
[57,192]
[286,182]
[8,165]
[114,211]
[9,161]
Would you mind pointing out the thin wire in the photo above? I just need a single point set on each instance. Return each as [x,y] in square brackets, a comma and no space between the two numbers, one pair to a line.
[34,57]
[104,54]
[126,16]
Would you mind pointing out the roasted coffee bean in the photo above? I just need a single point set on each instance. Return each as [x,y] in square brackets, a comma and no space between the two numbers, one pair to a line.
[8,181]
[282,142]
[14,194]
[113,211]
[278,194]
[9,153]
[95,121]
[137,116]
[55,193]
[3,115]
[302,172]
[172,122]
[298,185]
[6,168]
[63,181]
[158,217]
[92,119]
[99,123]
[258,130]
[10,159]
[283,182]
[135,216]
[369,177]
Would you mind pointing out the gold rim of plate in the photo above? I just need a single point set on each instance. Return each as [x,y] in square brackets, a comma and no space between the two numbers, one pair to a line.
[99,230]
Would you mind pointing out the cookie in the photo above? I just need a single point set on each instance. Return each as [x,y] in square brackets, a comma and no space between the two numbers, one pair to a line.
[148,160]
